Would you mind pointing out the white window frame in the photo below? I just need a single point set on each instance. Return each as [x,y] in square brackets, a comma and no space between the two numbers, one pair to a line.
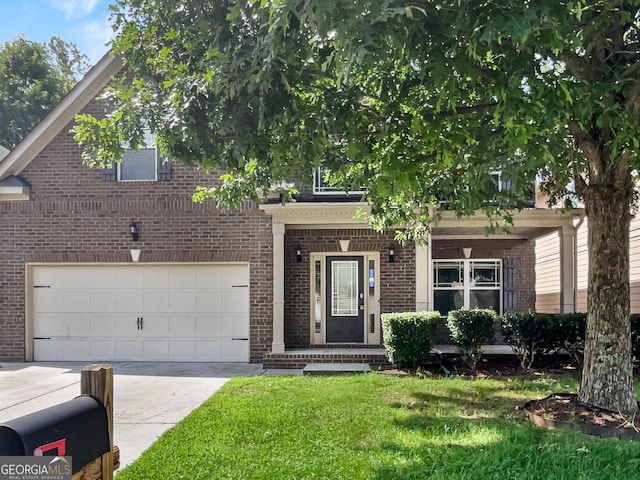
[468,285]
[321,188]
[149,144]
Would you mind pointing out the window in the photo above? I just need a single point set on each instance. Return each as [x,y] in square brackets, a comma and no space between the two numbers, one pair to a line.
[467,284]
[141,165]
[322,187]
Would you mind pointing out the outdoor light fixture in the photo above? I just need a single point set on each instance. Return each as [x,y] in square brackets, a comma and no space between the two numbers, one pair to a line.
[133,230]
[298,254]
[392,256]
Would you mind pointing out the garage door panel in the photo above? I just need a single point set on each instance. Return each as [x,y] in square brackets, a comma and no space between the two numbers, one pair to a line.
[76,278]
[127,325]
[183,277]
[47,276]
[78,325]
[103,325]
[233,276]
[155,301]
[155,325]
[102,300]
[76,350]
[102,349]
[182,326]
[47,300]
[128,277]
[129,301]
[156,277]
[181,349]
[155,349]
[234,326]
[208,326]
[209,301]
[182,301]
[207,350]
[48,324]
[75,301]
[235,300]
[209,276]
[188,312]
[103,277]
[128,349]
[234,349]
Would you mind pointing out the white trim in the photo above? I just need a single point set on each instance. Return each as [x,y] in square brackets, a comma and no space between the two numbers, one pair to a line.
[14,193]
[321,337]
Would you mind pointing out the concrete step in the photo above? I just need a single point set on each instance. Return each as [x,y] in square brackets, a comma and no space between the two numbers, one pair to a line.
[335,368]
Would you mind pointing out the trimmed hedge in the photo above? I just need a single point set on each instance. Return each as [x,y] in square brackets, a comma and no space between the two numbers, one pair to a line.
[469,330]
[408,337]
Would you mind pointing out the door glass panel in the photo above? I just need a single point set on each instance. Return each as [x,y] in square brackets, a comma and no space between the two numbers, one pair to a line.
[344,288]
[317,297]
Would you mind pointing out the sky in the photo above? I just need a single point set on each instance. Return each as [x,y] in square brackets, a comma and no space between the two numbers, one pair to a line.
[83,22]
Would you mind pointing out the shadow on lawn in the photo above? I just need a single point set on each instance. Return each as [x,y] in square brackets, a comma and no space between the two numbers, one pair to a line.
[483,433]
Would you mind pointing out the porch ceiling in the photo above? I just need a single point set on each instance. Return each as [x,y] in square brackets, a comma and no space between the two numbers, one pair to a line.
[530,223]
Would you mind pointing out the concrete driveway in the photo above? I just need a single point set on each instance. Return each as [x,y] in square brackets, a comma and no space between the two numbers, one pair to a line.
[149,398]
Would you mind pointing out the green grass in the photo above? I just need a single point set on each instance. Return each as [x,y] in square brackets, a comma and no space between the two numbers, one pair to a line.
[379,427]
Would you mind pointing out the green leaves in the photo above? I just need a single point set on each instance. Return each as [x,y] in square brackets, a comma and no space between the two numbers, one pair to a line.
[33,79]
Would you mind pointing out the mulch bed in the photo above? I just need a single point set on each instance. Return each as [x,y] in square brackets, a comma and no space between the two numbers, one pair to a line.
[564,410]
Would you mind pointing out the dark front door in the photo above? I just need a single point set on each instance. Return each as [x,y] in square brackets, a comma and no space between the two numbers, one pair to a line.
[345,299]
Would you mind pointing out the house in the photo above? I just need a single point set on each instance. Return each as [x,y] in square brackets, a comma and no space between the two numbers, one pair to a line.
[548,274]
[120,264]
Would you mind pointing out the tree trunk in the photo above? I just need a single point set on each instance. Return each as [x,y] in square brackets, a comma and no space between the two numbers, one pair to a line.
[607,375]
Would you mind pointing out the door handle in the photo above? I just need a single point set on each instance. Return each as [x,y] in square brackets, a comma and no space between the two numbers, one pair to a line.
[141,323]
[138,323]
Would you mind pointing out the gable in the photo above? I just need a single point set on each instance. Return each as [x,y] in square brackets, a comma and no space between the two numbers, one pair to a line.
[79,96]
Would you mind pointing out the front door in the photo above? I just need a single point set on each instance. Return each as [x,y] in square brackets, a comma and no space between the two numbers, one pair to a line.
[345,299]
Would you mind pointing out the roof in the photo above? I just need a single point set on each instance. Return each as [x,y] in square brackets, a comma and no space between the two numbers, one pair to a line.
[79,96]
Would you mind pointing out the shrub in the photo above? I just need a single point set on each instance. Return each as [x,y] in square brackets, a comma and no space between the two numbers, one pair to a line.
[531,334]
[408,337]
[573,328]
[469,330]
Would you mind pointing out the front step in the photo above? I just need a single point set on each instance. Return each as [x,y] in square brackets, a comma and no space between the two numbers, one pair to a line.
[335,368]
[300,358]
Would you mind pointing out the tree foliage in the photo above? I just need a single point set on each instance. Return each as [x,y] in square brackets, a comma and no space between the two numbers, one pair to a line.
[33,79]
[418,100]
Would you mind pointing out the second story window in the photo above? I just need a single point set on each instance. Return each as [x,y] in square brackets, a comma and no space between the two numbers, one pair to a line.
[322,187]
[142,165]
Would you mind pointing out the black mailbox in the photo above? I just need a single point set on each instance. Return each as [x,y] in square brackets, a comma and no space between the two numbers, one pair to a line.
[77,428]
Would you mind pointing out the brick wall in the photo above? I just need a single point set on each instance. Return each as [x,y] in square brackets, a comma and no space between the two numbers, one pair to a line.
[397,279]
[74,216]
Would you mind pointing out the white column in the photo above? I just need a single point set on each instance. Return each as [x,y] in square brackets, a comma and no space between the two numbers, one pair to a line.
[423,269]
[567,269]
[278,287]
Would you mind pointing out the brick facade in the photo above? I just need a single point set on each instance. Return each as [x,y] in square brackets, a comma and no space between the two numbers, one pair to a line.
[75,216]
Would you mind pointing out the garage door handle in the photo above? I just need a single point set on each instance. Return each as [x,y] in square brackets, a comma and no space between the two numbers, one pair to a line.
[42,338]
[138,323]
[245,339]
[141,323]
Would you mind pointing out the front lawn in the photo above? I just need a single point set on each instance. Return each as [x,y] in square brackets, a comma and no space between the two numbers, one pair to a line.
[376,426]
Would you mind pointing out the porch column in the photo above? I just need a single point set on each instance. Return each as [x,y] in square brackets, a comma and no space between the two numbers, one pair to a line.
[567,269]
[278,287]
[423,269]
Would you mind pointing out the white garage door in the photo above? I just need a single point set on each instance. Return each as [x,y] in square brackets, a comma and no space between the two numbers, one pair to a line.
[141,312]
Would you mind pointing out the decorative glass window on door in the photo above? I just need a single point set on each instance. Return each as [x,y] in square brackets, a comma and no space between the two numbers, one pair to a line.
[467,284]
